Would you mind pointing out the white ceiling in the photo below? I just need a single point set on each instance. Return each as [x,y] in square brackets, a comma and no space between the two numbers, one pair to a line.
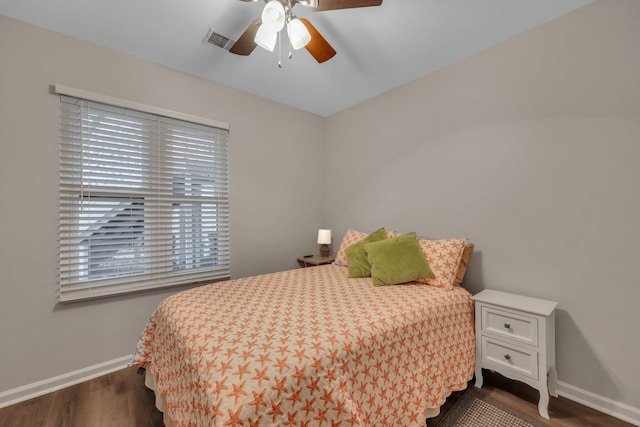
[379,48]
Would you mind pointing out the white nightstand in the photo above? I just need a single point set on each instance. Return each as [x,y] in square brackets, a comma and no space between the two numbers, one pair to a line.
[515,336]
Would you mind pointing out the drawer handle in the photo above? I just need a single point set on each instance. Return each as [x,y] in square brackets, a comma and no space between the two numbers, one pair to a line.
[507,325]
[506,356]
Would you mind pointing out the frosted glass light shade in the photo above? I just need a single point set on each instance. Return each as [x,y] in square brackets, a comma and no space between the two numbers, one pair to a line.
[273,15]
[266,38]
[298,34]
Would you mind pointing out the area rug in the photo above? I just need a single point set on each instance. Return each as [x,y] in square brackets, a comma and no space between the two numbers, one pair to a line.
[474,409]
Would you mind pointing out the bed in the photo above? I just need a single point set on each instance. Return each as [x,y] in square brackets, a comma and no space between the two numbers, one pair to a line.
[308,347]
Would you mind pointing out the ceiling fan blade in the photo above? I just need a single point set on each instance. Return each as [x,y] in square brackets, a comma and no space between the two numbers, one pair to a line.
[245,44]
[318,47]
[341,4]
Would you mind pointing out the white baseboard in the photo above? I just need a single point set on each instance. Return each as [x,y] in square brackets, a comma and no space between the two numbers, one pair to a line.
[29,391]
[600,403]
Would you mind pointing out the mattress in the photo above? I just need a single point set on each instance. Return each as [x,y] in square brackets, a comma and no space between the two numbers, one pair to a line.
[308,347]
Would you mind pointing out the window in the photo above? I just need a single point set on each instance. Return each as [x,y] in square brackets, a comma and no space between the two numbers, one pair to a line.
[144,198]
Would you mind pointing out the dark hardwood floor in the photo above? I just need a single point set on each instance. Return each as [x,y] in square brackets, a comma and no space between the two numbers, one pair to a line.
[121,399]
[563,412]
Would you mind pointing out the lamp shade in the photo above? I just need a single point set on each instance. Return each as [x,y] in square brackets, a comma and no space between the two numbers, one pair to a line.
[273,15]
[298,34]
[324,237]
[266,38]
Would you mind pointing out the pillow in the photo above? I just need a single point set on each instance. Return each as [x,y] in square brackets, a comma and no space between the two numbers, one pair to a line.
[357,258]
[465,262]
[351,237]
[444,258]
[397,260]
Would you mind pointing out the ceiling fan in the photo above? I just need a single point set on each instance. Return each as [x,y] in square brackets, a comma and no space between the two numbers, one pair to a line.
[276,14]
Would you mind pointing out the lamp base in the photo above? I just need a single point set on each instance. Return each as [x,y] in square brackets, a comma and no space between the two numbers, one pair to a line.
[324,251]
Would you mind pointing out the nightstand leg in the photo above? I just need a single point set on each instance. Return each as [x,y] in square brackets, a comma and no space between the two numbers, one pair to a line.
[553,381]
[479,379]
[543,404]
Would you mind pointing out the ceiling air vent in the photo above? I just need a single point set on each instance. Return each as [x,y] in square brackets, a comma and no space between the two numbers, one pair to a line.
[215,38]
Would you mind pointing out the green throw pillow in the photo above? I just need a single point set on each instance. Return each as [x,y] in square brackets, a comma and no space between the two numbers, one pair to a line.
[397,260]
[357,257]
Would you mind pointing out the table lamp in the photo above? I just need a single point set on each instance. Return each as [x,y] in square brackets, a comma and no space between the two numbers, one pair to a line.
[324,240]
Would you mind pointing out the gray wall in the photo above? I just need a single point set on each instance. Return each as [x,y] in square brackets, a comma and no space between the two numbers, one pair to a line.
[275,204]
[532,150]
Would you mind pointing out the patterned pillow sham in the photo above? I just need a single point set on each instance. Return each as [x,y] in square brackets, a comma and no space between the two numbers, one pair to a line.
[444,258]
[465,262]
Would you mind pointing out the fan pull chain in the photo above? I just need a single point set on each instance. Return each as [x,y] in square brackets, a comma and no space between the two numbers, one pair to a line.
[279,51]
[288,38]
[290,17]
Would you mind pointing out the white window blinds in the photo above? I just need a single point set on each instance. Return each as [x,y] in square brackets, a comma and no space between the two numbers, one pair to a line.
[144,200]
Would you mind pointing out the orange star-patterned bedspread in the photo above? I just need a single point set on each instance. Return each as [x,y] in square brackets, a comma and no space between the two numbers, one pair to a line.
[308,347]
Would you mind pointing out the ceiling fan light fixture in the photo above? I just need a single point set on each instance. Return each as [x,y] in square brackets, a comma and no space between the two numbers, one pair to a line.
[273,15]
[266,38]
[298,34]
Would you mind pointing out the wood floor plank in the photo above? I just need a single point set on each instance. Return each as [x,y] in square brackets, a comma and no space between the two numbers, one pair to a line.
[29,413]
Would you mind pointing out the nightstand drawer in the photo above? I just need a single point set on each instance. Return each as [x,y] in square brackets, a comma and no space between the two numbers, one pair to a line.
[499,355]
[509,325]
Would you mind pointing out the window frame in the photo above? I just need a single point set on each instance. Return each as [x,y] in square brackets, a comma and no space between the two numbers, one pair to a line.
[158,211]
